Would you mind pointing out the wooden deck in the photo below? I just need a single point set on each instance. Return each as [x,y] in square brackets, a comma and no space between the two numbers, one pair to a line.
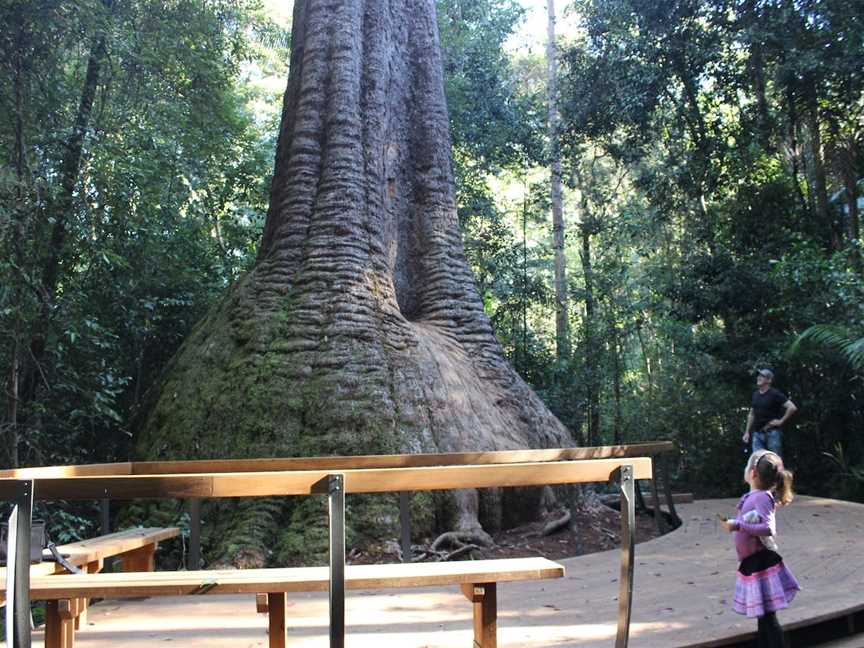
[684,582]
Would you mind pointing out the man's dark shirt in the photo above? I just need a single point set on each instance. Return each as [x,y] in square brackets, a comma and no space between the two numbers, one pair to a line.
[767,407]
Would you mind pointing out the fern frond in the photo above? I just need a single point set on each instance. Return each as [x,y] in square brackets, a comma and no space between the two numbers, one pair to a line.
[834,337]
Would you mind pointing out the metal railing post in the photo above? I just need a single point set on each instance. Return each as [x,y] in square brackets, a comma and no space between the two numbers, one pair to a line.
[667,488]
[194,533]
[105,516]
[105,524]
[18,568]
[628,540]
[405,525]
[336,494]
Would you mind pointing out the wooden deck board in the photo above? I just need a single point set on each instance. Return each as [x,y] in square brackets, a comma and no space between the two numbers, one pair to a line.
[684,583]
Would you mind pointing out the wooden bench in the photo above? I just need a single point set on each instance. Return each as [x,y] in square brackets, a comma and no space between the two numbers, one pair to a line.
[477,580]
[136,549]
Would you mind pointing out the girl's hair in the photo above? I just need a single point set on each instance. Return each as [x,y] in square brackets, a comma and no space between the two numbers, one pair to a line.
[772,475]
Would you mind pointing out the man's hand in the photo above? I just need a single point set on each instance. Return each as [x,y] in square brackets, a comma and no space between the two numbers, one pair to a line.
[746,437]
[773,424]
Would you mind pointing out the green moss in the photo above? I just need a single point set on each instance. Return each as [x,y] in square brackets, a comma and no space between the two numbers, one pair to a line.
[225,397]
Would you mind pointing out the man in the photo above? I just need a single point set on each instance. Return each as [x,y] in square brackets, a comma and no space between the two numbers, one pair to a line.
[770,410]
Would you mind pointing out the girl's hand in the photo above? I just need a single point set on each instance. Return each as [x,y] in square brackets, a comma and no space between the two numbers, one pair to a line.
[725,523]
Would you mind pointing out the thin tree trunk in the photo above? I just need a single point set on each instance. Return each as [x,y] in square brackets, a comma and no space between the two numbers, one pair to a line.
[848,169]
[757,73]
[794,148]
[561,316]
[616,384]
[847,165]
[756,65]
[61,208]
[854,222]
[645,357]
[591,359]
[820,183]
[524,301]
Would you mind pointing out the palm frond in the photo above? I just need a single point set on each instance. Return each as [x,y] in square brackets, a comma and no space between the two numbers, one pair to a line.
[834,337]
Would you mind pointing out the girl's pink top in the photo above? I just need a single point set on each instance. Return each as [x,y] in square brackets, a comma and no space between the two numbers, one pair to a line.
[747,533]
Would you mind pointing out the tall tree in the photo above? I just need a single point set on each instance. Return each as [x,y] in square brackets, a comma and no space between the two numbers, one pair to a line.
[359,329]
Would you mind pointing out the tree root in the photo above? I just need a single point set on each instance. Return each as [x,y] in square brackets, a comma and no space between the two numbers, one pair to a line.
[459,539]
[443,556]
[453,544]
[558,524]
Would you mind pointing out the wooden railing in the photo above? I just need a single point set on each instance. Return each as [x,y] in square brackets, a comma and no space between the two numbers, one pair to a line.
[331,476]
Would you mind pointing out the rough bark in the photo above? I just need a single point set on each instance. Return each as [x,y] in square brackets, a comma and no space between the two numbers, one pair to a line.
[561,315]
[359,330]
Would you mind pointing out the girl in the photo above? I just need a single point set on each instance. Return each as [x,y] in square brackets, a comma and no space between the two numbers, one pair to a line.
[763,583]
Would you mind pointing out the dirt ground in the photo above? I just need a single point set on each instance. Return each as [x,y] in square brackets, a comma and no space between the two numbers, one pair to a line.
[596,528]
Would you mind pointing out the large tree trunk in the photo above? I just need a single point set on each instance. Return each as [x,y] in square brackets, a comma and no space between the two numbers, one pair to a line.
[562,342]
[359,330]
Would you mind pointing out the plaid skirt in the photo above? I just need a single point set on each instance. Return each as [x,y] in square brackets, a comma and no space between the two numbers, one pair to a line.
[763,584]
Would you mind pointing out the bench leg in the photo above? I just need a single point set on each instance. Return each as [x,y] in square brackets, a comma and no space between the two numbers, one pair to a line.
[140,560]
[59,631]
[92,568]
[485,600]
[276,602]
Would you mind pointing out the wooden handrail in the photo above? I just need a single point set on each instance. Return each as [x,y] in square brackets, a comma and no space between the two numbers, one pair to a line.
[340,463]
[307,482]
[84,470]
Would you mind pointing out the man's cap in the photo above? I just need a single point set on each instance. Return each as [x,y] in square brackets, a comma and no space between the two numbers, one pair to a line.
[766,373]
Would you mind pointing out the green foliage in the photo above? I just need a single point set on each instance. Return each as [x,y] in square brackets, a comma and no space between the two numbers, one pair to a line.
[165,210]
[834,337]
[851,477]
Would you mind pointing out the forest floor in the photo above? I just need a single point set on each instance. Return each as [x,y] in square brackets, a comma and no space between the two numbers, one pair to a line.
[592,529]
[597,529]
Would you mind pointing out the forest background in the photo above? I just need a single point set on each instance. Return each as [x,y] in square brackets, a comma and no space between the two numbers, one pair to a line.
[711,155]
